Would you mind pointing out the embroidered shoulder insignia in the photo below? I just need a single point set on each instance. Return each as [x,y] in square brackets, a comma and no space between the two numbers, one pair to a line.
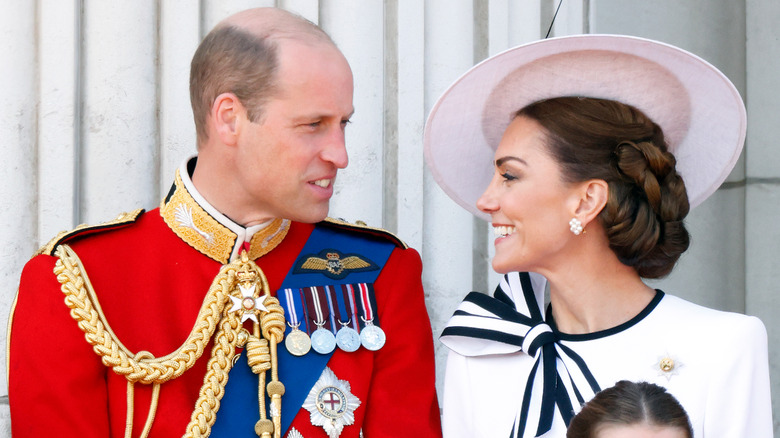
[83,229]
[333,264]
[183,215]
[361,227]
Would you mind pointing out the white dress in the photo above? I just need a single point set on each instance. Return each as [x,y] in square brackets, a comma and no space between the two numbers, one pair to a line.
[720,371]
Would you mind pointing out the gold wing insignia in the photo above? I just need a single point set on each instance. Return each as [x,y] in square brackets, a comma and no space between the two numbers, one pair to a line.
[354,262]
[316,264]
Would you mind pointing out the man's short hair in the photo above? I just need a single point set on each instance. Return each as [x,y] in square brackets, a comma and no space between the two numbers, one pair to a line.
[235,60]
[231,60]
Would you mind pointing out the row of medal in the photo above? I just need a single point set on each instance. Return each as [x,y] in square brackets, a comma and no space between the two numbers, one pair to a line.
[314,313]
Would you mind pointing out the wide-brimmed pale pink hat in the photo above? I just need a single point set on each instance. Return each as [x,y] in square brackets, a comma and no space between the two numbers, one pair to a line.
[698,108]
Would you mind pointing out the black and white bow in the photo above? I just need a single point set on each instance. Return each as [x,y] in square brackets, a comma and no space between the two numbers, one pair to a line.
[511,321]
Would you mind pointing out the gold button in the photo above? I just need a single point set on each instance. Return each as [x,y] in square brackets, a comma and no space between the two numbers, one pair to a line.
[667,364]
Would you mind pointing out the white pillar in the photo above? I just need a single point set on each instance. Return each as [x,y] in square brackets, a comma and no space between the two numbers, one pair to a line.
[58,124]
[410,119]
[448,229]
[179,37]
[119,130]
[357,27]
[17,168]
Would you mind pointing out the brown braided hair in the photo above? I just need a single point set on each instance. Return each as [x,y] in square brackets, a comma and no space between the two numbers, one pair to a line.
[608,140]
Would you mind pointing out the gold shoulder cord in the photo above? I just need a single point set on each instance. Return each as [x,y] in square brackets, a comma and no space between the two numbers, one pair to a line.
[241,281]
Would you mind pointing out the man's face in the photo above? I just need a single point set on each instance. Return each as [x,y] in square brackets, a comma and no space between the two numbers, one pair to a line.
[287,161]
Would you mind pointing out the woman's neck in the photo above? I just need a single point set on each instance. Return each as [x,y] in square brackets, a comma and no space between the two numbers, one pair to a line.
[596,293]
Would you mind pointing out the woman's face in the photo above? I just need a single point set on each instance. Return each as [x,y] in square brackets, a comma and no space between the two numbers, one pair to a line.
[529,203]
[640,431]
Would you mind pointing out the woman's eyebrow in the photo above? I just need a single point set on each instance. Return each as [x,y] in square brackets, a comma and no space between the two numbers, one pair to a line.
[500,162]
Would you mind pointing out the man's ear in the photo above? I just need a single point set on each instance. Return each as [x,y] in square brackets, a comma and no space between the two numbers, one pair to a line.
[224,115]
[593,197]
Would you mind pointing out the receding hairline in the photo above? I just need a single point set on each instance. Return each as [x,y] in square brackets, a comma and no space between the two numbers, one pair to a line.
[276,24]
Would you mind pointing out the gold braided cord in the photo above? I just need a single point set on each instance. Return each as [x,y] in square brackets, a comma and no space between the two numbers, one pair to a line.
[131,403]
[259,355]
[152,410]
[220,363]
[152,406]
[80,297]
[214,315]
[273,325]
[276,391]
[130,406]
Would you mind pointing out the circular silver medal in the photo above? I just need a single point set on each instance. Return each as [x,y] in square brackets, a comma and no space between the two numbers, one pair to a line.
[323,341]
[348,339]
[372,337]
[297,342]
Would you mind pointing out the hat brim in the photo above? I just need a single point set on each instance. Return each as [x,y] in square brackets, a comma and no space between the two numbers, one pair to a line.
[698,108]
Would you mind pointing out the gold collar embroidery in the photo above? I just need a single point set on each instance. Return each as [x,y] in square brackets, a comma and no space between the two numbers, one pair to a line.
[194,225]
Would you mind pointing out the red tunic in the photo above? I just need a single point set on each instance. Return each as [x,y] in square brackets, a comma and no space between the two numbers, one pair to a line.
[151,284]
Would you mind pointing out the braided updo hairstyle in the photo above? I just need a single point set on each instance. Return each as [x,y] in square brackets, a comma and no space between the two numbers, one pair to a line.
[608,140]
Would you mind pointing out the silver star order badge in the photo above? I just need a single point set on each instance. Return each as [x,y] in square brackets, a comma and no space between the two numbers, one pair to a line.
[668,366]
[248,304]
[293,433]
[331,404]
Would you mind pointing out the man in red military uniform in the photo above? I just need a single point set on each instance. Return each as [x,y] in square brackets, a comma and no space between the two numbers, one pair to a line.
[233,309]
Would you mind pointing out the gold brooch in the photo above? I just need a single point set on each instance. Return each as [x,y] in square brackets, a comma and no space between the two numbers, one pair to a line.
[668,366]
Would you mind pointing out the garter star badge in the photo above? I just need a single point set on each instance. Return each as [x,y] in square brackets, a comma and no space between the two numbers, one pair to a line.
[293,433]
[331,404]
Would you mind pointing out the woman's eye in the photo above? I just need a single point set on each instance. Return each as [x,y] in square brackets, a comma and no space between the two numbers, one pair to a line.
[508,176]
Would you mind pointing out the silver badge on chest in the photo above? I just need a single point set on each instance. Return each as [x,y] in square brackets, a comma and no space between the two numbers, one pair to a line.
[331,404]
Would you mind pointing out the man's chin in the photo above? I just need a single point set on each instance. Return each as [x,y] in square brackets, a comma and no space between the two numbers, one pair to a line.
[312,216]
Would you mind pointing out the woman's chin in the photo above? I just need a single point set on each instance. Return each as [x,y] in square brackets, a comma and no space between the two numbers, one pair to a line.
[502,267]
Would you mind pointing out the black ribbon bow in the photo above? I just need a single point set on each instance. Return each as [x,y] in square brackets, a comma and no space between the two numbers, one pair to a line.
[506,327]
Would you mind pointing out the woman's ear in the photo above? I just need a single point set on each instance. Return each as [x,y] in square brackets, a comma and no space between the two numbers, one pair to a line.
[224,115]
[593,197]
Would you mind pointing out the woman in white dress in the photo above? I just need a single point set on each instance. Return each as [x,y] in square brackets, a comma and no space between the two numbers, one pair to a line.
[599,146]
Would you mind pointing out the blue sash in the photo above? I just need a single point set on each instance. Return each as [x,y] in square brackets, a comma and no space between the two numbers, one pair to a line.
[238,410]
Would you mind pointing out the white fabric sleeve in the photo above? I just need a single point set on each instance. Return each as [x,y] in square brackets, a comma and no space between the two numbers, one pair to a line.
[739,402]
[457,407]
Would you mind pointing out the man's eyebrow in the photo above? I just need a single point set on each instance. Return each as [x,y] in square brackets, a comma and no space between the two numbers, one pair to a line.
[318,116]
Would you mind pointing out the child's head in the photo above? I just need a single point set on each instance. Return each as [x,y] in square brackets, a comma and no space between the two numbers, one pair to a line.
[631,409]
